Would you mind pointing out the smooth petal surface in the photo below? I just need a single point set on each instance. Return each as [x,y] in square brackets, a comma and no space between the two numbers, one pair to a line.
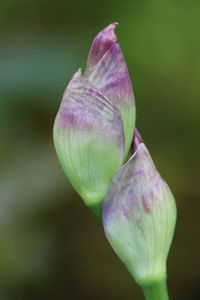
[139,216]
[89,139]
[107,71]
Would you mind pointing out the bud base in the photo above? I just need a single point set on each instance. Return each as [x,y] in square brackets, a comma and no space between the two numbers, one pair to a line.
[156,290]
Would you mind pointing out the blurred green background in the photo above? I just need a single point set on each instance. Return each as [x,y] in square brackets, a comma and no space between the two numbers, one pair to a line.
[51,246]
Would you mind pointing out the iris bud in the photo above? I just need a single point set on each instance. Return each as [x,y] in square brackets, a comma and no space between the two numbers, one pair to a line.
[88,135]
[95,122]
[139,216]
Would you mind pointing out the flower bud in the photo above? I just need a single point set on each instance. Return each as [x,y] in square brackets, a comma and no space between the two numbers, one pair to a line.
[95,122]
[89,139]
[139,215]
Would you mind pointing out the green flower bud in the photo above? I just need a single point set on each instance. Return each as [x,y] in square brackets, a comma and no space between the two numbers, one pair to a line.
[89,139]
[139,216]
[94,125]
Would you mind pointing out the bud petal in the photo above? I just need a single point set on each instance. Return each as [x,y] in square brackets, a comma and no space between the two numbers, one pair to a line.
[100,45]
[107,71]
[89,139]
[139,216]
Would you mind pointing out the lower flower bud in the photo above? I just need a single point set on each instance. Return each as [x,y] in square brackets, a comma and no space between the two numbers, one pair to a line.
[139,216]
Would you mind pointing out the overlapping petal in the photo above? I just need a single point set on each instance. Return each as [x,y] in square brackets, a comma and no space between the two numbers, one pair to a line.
[89,139]
[100,45]
[107,71]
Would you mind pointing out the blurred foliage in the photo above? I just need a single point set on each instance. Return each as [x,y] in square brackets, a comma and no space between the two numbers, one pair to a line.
[51,245]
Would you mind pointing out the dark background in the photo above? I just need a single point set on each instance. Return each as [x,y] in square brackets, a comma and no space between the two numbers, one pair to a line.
[51,246]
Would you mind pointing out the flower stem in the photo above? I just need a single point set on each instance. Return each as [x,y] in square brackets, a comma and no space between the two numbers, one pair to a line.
[156,291]
[96,209]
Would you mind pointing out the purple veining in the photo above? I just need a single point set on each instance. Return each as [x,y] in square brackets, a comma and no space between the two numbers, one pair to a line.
[102,42]
[111,77]
[83,107]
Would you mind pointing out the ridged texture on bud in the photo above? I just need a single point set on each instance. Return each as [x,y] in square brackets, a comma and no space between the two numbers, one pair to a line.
[139,215]
[95,122]
[107,70]
[89,140]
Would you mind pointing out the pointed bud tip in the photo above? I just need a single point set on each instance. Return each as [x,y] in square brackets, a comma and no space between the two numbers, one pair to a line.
[114,24]
[108,32]
[103,41]
[111,27]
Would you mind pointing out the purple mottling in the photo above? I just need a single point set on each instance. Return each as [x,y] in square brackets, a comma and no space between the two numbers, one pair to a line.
[158,185]
[138,173]
[146,203]
[76,118]
[67,116]
[84,107]
[111,77]
[125,212]
[117,85]
[136,188]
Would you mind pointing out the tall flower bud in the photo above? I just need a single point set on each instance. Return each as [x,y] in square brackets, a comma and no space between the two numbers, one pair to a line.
[94,125]
[139,215]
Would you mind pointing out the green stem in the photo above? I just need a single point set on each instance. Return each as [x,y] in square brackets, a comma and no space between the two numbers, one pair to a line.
[156,291]
[96,209]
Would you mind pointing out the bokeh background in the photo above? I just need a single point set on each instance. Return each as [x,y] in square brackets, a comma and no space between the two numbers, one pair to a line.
[51,246]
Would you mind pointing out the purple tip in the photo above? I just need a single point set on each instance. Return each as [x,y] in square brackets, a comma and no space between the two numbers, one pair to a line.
[101,44]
